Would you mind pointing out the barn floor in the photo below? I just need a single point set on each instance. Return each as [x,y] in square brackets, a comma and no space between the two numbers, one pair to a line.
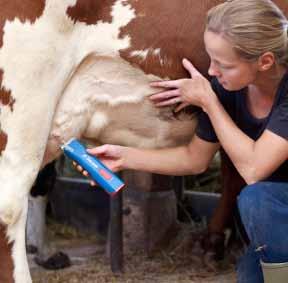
[90,264]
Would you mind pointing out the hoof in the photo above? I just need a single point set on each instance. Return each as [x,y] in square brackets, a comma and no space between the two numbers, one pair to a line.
[56,261]
[213,245]
[31,249]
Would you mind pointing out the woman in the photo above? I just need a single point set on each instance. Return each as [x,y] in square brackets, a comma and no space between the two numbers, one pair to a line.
[245,111]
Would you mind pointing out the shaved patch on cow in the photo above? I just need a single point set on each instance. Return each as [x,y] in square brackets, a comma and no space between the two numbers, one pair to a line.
[91,11]
[24,10]
[6,263]
[5,95]
[3,142]
[165,36]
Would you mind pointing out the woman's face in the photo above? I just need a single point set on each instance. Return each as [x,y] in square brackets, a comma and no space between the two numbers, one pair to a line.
[232,72]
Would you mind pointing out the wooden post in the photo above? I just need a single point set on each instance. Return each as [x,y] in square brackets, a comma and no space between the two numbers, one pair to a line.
[116,233]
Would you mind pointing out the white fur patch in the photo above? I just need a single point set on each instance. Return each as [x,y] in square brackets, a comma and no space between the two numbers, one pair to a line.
[143,54]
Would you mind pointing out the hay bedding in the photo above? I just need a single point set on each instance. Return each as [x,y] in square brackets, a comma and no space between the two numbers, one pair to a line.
[180,264]
[137,269]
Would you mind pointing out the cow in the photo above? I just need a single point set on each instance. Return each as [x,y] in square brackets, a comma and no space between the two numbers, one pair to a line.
[81,68]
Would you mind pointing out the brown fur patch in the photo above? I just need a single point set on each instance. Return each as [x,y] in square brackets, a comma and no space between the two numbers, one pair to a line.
[283,5]
[3,142]
[24,10]
[91,11]
[6,262]
[5,95]
[176,29]
[159,24]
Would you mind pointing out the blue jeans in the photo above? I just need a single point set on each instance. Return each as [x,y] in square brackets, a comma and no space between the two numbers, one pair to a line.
[263,209]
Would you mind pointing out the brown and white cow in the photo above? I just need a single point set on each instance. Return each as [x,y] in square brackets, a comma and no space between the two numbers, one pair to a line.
[81,68]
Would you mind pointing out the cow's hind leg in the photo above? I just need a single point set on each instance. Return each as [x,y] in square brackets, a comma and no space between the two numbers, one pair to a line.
[232,183]
[13,264]
[35,230]
[13,215]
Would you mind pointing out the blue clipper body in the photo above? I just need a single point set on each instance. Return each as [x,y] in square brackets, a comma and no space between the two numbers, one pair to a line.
[106,179]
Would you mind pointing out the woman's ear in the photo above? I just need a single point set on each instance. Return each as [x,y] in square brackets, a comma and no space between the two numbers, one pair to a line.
[266,61]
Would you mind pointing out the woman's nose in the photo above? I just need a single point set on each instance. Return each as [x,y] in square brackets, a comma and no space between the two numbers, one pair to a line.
[213,71]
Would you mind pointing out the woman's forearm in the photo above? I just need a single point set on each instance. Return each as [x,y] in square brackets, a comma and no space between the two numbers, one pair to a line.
[168,161]
[238,146]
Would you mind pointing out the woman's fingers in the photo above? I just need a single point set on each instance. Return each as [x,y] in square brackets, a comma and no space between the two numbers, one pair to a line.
[184,91]
[99,150]
[190,68]
[168,97]
[181,106]
[165,95]
[168,102]
[78,167]
[166,84]
[84,173]
[93,184]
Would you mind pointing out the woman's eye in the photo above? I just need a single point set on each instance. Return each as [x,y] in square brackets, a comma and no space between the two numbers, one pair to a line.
[226,67]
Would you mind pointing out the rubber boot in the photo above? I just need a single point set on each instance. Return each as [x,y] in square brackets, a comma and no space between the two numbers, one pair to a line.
[275,272]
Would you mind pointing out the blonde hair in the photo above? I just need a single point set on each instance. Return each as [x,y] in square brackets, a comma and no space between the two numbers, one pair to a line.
[253,27]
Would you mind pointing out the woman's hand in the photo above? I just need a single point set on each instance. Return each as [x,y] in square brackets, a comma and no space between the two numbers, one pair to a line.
[195,91]
[112,156]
